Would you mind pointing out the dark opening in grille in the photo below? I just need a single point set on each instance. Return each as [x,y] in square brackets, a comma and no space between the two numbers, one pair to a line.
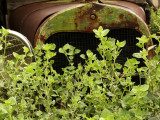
[85,41]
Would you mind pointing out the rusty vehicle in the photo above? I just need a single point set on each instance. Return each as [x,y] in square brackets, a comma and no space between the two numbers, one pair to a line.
[73,21]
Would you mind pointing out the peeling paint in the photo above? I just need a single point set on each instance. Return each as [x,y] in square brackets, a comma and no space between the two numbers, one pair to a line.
[121,16]
[78,18]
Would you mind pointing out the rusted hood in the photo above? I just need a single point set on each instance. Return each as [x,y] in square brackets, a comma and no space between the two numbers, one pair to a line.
[27,19]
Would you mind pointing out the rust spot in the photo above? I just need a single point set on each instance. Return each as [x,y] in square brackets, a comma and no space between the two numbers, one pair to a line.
[135,20]
[80,16]
[95,8]
[76,25]
[91,24]
[90,14]
[121,16]
[126,24]
[42,38]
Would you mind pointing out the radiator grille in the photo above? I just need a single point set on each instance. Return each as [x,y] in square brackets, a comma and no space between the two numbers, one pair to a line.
[85,41]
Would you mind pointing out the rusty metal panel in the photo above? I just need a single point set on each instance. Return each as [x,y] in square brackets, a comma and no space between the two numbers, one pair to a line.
[75,16]
[26,19]
[86,17]
[133,7]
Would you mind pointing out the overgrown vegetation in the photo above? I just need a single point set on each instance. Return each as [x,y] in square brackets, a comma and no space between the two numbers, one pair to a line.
[154,25]
[93,91]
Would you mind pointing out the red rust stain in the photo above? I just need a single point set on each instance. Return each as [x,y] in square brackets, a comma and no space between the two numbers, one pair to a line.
[128,24]
[86,14]
[38,33]
[110,12]
[80,16]
[76,25]
[96,7]
[42,38]
[121,16]
[36,38]
[91,24]
[83,15]
[136,20]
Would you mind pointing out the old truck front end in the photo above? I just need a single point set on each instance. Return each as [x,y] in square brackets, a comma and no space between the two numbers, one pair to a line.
[72,22]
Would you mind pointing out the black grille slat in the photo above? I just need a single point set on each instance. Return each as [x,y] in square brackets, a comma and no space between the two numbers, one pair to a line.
[85,41]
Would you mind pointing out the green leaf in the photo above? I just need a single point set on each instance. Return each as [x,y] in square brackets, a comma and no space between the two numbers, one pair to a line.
[124,114]
[2,84]
[4,31]
[131,62]
[84,90]
[23,102]
[128,101]
[68,46]
[151,47]
[108,55]
[121,44]
[107,115]
[53,102]
[143,94]
[135,89]
[71,57]
[9,44]
[11,101]
[144,69]
[95,31]
[16,55]
[30,54]
[118,66]
[77,51]
[82,104]
[25,49]
[144,87]
[110,94]
[20,117]
[98,81]
[1,47]
[50,55]
[89,53]
[100,29]
[83,56]
[38,113]
[105,32]
[143,39]
[137,55]
[2,109]
[61,50]
[157,57]
[97,35]
[139,45]
[51,79]
[15,107]
[48,47]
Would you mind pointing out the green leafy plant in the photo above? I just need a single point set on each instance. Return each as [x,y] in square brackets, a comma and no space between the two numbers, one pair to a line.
[154,25]
[95,90]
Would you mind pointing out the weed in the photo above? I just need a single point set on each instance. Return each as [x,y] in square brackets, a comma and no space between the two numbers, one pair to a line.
[95,90]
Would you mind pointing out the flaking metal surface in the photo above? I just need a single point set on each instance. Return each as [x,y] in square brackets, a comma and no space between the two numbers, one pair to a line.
[133,7]
[78,18]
